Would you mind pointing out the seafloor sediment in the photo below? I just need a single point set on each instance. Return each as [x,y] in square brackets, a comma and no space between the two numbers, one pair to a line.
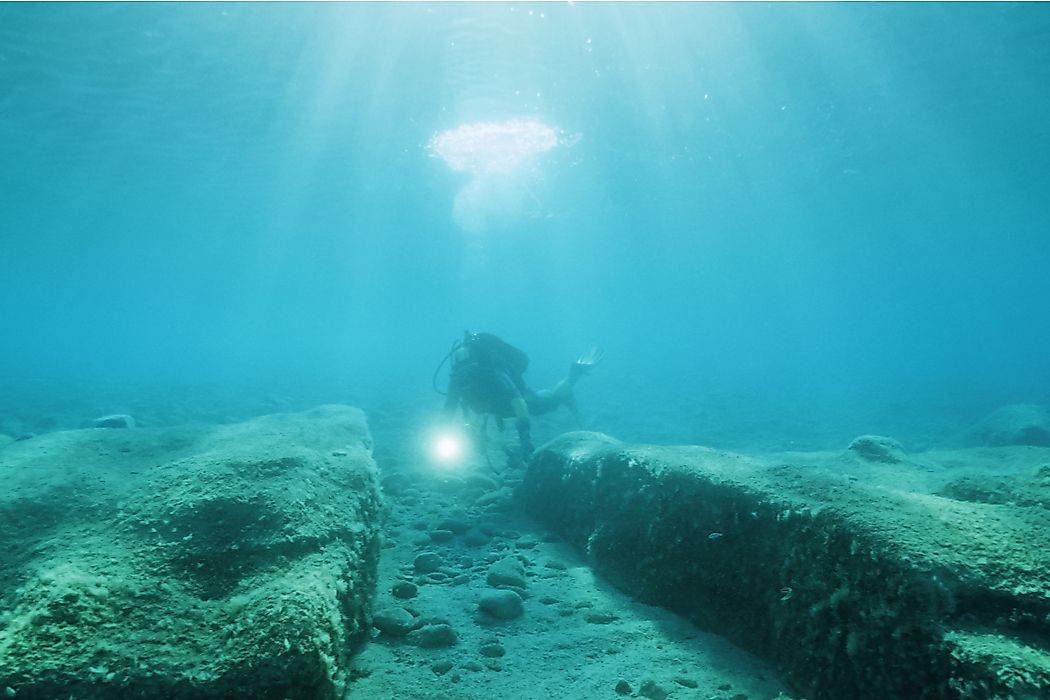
[862,574]
[211,561]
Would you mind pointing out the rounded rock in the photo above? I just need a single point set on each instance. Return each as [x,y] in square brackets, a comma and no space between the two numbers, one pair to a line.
[502,604]
[427,562]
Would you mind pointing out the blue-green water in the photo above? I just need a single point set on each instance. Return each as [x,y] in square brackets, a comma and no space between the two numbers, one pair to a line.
[815,211]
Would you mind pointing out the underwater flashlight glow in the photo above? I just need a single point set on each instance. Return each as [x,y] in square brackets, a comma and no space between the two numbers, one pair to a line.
[448,448]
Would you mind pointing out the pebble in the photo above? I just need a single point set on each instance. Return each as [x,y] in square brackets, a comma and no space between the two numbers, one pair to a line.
[506,572]
[441,535]
[427,562]
[456,525]
[652,690]
[493,650]
[600,618]
[687,682]
[441,667]
[394,621]
[433,636]
[502,604]
[405,590]
[117,420]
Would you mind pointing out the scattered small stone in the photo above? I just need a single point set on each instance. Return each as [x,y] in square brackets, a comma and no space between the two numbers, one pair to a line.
[652,690]
[441,535]
[600,618]
[427,562]
[555,564]
[456,525]
[405,590]
[339,453]
[503,604]
[623,688]
[117,420]
[394,621]
[493,665]
[433,636]
[473,666]
[506,572]
[435,577]
[441,667]
[461,580]
[687,682]
[526,543]
[492,650]
[725,686]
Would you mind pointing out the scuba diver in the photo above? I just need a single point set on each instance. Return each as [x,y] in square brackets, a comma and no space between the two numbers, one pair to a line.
[486,379]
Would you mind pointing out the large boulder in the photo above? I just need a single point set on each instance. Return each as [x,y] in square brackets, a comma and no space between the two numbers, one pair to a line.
[235,561]
[862,585]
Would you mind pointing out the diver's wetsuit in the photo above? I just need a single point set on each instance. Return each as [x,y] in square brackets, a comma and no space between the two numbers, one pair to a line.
[487,378]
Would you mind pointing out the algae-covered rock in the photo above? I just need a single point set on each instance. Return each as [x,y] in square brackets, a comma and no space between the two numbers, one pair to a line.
[231,561]
[1016,424]
[861,588]
[877,448]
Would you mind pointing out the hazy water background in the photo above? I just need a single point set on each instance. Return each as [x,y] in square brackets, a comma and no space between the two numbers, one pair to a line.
[810,220]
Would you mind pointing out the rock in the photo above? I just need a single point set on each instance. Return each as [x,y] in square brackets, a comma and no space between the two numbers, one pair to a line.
[213,562]
[623,687]
[686,682]
[492,650]
[433,636]
[117,420]
[394,621]
[877,557]
[427,562]
[506,572]
[457,525]
[652,690]
[876,448]
[601,618]
[1016,424]
[441,667]
[405,590]
[441,535]
[503,604]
